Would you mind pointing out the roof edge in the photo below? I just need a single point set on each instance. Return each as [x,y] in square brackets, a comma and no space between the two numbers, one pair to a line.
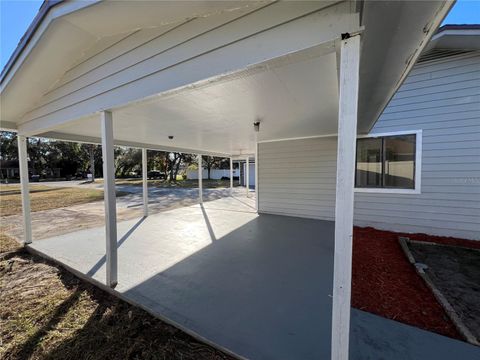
[447,27]
[46,6]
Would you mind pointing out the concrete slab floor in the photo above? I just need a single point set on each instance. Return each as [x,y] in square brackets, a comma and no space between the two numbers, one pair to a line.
[256,285]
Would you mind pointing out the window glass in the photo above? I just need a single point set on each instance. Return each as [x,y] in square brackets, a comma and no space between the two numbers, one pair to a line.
[399,163]
[369,163]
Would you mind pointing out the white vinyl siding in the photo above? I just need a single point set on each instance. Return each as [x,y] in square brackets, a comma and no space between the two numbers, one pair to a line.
[297,177]
[442,98]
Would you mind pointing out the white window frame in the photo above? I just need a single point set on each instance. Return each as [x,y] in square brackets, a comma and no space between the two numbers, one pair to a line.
[418,164]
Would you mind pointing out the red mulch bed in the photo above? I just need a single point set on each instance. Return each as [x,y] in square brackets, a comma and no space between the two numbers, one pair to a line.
[386,284]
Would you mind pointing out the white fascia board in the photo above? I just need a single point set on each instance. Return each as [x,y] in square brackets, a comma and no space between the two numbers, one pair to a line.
[94,140]
[8,126]
[56,12]
[456,32]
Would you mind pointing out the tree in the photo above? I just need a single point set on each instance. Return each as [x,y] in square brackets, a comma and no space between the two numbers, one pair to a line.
[210,162]
[8,145]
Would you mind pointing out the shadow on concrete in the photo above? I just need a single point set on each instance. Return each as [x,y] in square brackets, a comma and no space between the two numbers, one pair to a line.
[102,261]
[262,291]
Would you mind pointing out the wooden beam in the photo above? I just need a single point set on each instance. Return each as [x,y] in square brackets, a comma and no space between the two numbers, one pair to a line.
[200,179]
[23,165]
[110,198]
[347,131]
[145,181]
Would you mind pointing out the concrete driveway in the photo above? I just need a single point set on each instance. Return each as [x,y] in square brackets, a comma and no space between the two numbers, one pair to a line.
[64,220]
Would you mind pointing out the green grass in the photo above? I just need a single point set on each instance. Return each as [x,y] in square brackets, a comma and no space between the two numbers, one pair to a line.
[45,198]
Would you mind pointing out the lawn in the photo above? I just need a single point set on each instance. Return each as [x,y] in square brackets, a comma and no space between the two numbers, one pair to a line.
[45,198]
[48,313]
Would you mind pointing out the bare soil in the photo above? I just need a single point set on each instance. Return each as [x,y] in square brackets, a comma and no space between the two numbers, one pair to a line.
[47,313]
[455,271]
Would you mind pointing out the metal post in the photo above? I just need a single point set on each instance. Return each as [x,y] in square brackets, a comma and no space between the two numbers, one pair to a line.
[200,178]
[347,132]
[23,165]
[247,174]
[109,196]
[231,177]
[145,181]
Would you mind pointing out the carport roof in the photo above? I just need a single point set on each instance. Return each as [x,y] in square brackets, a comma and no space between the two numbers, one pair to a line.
[394,33]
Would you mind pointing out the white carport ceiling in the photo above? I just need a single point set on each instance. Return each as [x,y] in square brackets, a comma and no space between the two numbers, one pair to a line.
[294,96]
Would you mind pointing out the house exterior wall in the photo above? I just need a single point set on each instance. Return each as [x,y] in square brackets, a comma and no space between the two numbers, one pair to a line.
[298,177]
[441,98]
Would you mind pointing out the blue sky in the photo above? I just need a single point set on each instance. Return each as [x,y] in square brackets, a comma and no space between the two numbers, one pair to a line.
[16,16]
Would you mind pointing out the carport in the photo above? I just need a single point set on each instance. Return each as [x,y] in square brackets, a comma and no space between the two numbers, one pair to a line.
[218,78]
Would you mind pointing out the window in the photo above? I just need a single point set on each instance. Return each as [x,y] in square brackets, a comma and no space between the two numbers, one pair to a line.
[387,163]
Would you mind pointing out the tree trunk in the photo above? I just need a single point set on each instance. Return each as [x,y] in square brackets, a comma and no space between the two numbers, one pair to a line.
[177,167]
[92,162]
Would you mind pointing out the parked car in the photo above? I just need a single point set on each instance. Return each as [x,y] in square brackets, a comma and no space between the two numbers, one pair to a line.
[154,174]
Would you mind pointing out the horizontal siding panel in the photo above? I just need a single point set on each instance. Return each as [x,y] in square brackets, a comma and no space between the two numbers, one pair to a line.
[463,167]
[437,104]
[455,145]
[299,182]
[416,200]
[456,69]
[129,43]
[321,215]
[438,89]
[434,90]
[466,136]
[458,122]
[405,217]
[414,119]
[449,203]
[472,75]
[445,64]
[427,210]
[446,153]
[436,96]
[432,111]
[447,160]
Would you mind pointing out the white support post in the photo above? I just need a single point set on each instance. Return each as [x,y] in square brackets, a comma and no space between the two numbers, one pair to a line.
[247,174]
[256,175]
[231,177]
[145,181]
[239,172]
[109,196]
[200,179]
[23,165]
[347,134]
